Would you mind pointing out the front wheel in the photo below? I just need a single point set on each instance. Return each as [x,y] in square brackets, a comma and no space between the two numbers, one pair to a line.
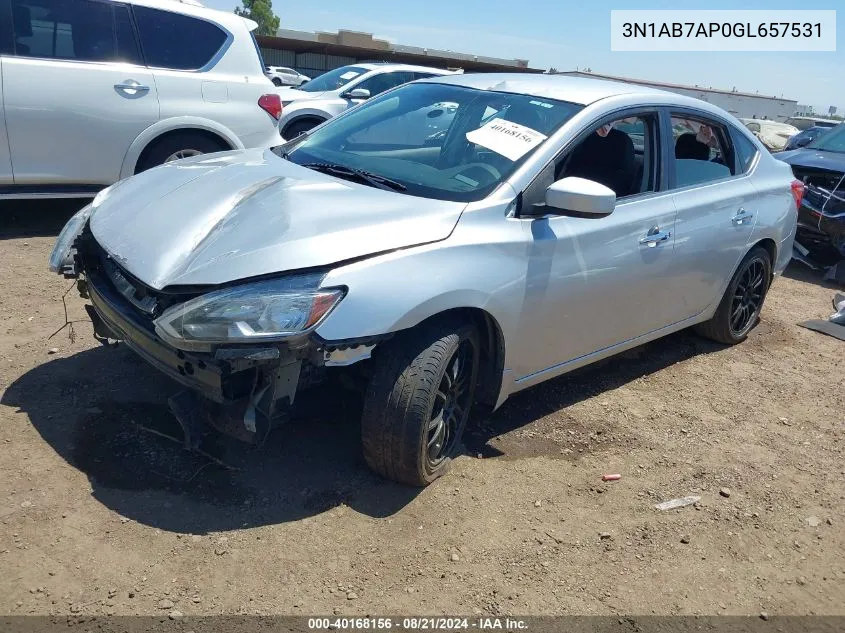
[739,310]
[418,401]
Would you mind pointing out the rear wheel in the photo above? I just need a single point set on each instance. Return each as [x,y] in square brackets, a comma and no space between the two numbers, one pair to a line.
[277,82]
[739,310]
[177,146]
[418,401]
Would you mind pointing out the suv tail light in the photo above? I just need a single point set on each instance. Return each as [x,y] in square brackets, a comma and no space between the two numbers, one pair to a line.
[798,192]
[272,105]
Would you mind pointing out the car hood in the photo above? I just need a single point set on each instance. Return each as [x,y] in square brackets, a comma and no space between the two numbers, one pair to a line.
[216,219]
[292,94]
[816,158]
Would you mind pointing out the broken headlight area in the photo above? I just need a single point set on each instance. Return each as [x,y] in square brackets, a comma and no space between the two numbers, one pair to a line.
[243,352]
[269,310]
[821,218]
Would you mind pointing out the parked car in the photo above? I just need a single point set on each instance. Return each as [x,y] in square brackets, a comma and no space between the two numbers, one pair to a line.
[805,137]
[821,218]
[94,91]
[282,76]
[534,238]
[805,122]
[773,134]
[337,90]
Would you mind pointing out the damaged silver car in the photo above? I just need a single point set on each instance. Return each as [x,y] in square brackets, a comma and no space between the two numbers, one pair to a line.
[552,222]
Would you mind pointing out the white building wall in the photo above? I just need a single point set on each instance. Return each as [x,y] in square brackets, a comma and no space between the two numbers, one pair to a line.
[741,105]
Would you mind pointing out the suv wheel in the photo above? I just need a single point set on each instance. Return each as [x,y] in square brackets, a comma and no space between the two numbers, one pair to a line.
[178,146]
[277,82]
[739,310]
[419,399]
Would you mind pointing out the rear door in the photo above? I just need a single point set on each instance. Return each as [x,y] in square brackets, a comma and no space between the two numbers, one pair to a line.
[76,91]
[717,207]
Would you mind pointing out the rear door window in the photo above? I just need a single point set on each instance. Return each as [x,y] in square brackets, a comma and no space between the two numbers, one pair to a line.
[178,42]
[75,30]
[701,150]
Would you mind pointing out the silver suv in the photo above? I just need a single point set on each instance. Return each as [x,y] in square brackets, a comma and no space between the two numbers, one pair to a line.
[337,90]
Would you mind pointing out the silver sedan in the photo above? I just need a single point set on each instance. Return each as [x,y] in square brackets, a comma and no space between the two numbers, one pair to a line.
[548,223]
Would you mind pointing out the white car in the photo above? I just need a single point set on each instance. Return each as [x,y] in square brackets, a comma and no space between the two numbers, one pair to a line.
[283,76]
[94,91]
[773,134]
[333,92]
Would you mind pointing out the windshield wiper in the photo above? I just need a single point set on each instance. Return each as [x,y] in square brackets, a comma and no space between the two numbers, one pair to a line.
[342,171]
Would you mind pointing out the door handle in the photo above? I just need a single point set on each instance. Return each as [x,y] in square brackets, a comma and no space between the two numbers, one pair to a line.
[131,84]
[655,236]
[742,217]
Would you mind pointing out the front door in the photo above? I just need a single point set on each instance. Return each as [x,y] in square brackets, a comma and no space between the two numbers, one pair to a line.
[593,283]
[76,92]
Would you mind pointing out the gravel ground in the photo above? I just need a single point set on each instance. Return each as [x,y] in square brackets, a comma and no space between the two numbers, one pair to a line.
[98,515]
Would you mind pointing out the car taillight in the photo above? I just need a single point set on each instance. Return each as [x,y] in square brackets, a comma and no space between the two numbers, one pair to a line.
[272,105]
[798,192]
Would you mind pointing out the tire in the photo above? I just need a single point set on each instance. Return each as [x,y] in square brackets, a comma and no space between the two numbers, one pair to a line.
[739,310]
[300,127]
[405,435]
[277,82]
[190,142]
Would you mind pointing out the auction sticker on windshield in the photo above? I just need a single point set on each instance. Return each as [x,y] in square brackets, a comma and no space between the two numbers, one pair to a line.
[351,74]
[507,138]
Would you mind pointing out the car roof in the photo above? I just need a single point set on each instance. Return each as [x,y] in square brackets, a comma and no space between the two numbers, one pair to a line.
[581,90]
[197,9]
[391,66]
[815,119]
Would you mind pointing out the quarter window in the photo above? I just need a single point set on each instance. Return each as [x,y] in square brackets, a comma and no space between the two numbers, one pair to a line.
[746,152]
[76,30]
[701,150]
[175,41]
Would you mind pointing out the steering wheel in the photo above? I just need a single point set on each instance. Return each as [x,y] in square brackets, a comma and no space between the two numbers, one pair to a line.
[496,175]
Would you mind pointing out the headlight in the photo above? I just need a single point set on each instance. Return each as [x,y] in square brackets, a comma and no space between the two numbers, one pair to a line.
[265,310]
[61,259]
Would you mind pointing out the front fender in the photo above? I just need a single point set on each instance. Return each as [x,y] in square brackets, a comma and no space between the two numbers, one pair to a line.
[172,124]
[480,266]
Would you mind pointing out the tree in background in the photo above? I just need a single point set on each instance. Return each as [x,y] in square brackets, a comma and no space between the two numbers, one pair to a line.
[260,11]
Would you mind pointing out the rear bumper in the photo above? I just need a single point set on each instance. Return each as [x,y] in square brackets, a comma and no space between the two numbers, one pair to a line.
[199,372]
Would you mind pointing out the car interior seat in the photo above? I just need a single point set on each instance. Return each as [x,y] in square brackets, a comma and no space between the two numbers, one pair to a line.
[689,147]
[609,160]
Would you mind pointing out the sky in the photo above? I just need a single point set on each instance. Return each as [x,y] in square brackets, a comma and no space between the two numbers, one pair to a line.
[575,34]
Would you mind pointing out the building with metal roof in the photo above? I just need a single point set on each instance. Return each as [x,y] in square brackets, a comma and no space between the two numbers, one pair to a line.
[314,53]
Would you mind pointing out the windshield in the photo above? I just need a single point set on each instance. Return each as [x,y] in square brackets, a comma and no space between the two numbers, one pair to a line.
[333,79]
[831,141]
[436,140]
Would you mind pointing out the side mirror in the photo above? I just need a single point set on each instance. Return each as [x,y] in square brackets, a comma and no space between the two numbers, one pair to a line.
[357,93]
[803,142]
[580,196]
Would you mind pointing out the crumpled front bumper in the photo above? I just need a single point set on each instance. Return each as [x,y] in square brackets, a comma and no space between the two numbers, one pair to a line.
[197,371]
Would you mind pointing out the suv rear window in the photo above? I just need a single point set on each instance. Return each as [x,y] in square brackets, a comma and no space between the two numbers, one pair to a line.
[175,41]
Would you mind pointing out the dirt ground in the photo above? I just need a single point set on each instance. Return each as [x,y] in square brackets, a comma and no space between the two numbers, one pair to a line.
[99,516]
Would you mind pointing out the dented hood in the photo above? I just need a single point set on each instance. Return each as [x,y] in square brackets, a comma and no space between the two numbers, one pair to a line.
[225,217]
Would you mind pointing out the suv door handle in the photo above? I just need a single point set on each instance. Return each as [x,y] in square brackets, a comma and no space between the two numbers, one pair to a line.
[742,217]
[131,85]
[655,236]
